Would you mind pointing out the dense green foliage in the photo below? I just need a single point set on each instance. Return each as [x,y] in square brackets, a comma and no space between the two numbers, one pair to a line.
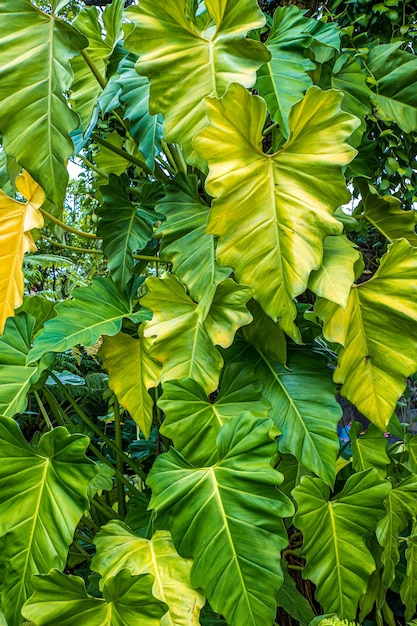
[238,254]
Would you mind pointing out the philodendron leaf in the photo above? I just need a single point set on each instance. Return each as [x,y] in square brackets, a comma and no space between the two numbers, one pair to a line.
[60,599]
[124,227]
[369,450]
[335,531]
[94,311]
[132,372]
[265,335]
[184,333]
[408,589]
[185,242]
[186,61]
[400,508]
[386,214]
[17,219]
[193,422]
[292,600]
[283,81]
[275,248]
[334,278]
[395,95]
[43,493]
[377,329]
[35,119]
[118,547]
[228,518]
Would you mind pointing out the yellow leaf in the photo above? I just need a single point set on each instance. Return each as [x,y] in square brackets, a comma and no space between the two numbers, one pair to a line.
[17,219]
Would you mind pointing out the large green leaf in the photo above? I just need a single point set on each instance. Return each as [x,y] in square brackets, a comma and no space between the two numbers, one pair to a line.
[275,248]
[401,507]
[228,518]
[193,422]
[35,120]
[408,589]
[292,600]
[118,547]
[265,335]
[124,227]
[386,214]
[185,333]
[187,60]
[132,372]
[185,242]
[93,311]
[283,81]
[369,450]
[377,329]
[60,599]
[43,493]
[395,95]
[335,532]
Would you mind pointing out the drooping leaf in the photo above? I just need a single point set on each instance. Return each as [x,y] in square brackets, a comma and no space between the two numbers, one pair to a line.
[292,600]
[386,214]
[400,508]
[93,311]
[408,589]
[275,248]
[118,547]
[43,493]
[124,227]
[107,161]
[335,532]
[395,95]
[369,450]
[132,372]
[193,422]
[35,119]
[334,278]
[40,308]
[377,328]
[265,335]
[185,242]
[184,333]
[60,599]
[284,80]
[186,61]
[17,219]
[228,518]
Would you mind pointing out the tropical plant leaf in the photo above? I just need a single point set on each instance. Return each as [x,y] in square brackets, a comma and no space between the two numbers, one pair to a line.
[395,95]
[186,61]
[369,450]
[284,80]
[334,278]
[237,510]
[386,214]
[132,372]
[401,507]
[184,333]
[292,601]
[124,227]
[94,311]
[146,129]
[275,248]
[185,242]
[408,589]
[43,493]
[17,219]
[60,599]
[335,532]
[40,308]
[35,119]
[193,422]
[265,335]
[377,328]
[108,161]
[118,547]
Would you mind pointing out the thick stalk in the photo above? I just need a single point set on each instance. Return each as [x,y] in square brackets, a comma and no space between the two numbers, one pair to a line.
[94,69]
[119,463]
[63,246]
[69,229]
[43,411]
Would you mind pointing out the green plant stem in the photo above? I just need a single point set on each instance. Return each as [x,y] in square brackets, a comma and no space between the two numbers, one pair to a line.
[85,537]
[43,411]
[59,414]
[89,422]
[298,568]
[69,229]
[104,509]
[94,69]
[92,166]
[269,129]
[119,463]
[118,475]
[63,246]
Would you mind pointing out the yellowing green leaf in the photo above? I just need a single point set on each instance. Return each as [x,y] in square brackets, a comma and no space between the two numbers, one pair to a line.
[132,372]
[187,59]
[369,450]
[118,547]
[16,221]
[378,330]
[275,239]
